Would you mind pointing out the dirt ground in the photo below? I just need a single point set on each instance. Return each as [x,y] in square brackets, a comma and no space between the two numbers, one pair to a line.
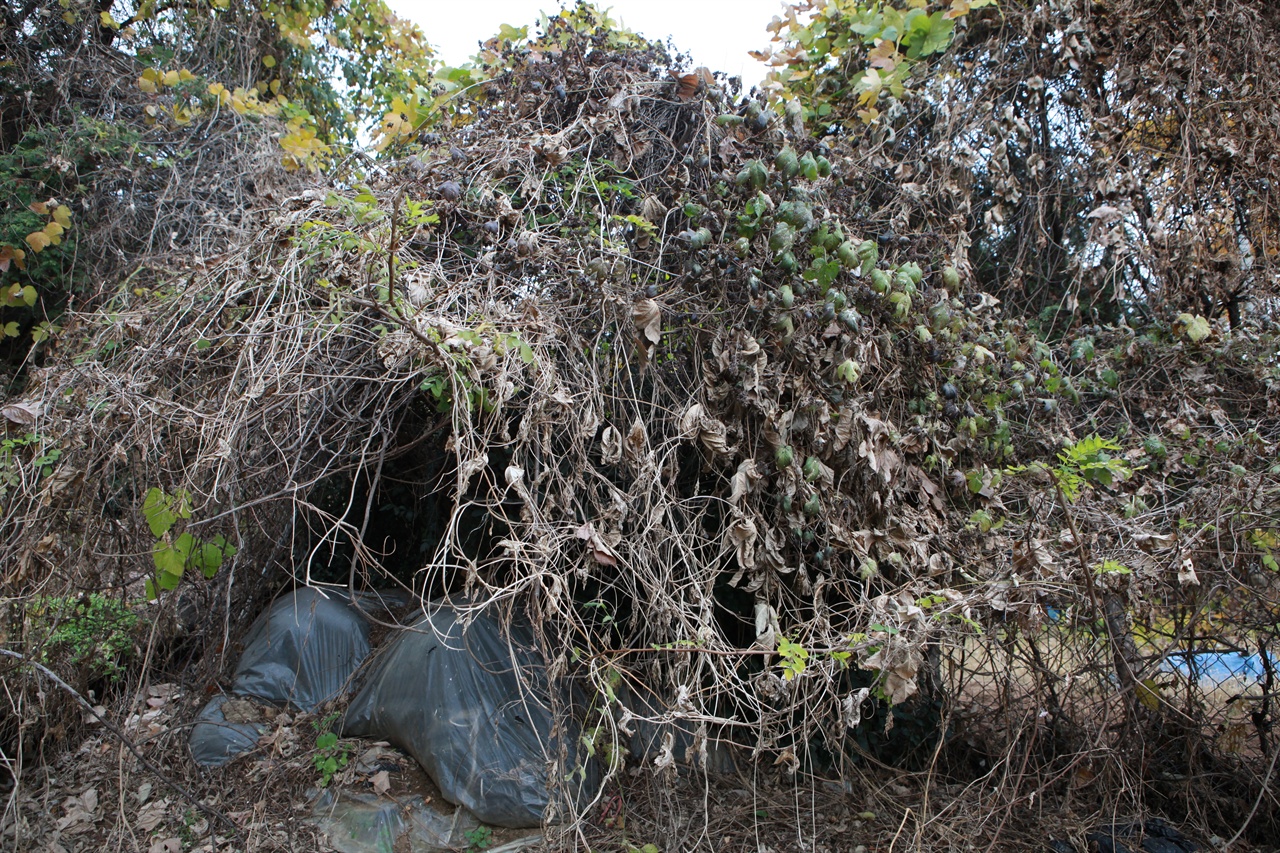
[94,795]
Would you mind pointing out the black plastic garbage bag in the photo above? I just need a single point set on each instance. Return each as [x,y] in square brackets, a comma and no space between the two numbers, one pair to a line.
[215,740]
[303,651]
[471,703]
[300,653]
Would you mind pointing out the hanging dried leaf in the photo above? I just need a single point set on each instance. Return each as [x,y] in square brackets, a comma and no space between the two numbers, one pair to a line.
[741,537]
[600,550]
[648,319]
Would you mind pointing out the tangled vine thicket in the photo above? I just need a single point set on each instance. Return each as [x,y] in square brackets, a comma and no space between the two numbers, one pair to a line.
[940,439]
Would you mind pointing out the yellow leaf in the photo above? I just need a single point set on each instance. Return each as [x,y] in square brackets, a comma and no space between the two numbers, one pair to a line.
[1195,327]
[38,241]
[275,87]
[148,86]
[269,61]
[62,215]
[244,102]
[1148,693]
[11,329]
[184,75]
[151,74]
[107,22]
[69,17]
[171,78]
[28,295]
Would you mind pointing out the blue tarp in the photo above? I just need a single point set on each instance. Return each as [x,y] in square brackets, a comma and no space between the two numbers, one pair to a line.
[1219,666]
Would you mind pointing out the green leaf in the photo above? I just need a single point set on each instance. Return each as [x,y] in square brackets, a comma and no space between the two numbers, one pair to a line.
[184,545]
[168,561]
[827,274]
[208,559]
[228,548]
[939,36]
[155,509]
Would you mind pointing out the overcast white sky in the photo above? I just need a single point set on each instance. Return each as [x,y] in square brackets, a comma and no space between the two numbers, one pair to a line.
[717,33]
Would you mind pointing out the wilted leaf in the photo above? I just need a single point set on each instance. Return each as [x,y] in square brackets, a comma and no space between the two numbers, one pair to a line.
[741,536]
[600,551]
[898,666]
[743,481]
[10,254]
[1187,573]
[1032,558]
[648,319]
[38,241]
[81,812]
[610,445]
[23,414]
[851,706]
[637,438]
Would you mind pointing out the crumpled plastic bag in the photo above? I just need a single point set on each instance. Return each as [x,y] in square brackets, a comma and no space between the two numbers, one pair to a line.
[300,653]
[470,701]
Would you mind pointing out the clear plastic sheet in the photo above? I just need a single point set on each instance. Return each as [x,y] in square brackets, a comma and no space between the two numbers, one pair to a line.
[361,822]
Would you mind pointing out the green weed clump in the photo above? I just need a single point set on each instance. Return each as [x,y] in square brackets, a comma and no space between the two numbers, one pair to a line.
[93,633]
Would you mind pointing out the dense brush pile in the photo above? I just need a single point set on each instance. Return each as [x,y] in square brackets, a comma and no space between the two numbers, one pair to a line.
[669,385]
